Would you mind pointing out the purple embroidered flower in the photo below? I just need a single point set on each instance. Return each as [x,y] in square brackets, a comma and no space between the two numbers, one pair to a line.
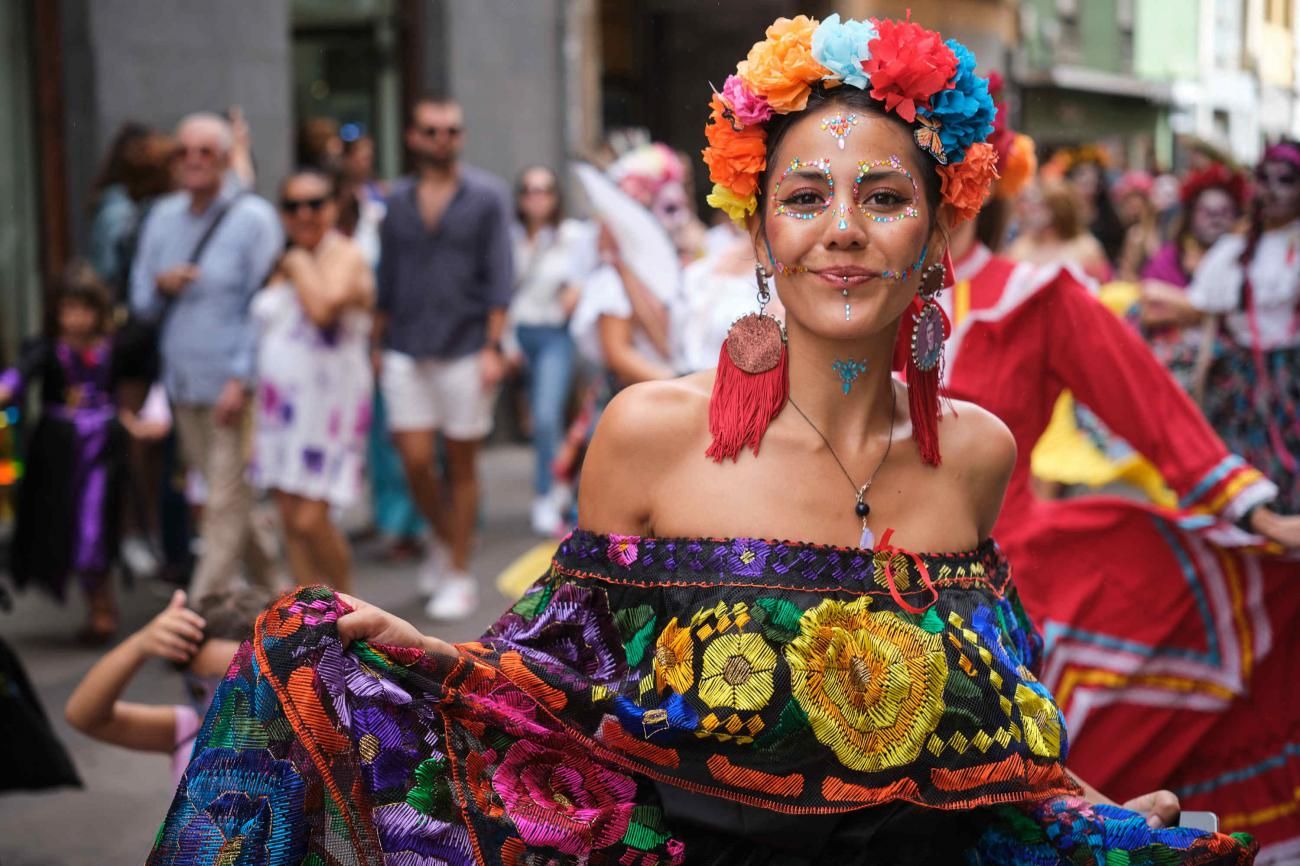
[747,557]
[412,839]
[574,634]
[386,758]
[749,107]
[563,799]
[623,548]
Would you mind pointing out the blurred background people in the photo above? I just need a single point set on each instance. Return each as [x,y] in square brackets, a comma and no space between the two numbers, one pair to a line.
[1053,230]
[550,256]
[445,281]
[1137,212]
[68,521]
[312,412]
[204,251]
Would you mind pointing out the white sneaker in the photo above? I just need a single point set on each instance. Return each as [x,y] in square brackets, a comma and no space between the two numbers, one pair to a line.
[546,517]
[437,561]
[455,599]
[138,557]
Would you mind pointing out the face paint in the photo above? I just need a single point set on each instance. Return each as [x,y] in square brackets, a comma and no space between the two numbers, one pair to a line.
[839,125]
[808,210]
[848,371]
[894,164]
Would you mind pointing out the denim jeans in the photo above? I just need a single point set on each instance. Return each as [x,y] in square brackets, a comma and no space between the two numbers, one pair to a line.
[550,354]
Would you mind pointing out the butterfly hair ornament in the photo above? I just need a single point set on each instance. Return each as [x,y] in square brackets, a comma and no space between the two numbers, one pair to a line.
[911,73]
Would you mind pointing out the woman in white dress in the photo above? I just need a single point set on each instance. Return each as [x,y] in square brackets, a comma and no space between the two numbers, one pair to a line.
[313,407]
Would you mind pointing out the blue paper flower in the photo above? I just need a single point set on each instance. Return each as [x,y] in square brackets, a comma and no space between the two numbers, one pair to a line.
[965,111]
[841,46]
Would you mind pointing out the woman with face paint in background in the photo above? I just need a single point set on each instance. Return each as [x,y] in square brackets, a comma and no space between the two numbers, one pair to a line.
[1252,283]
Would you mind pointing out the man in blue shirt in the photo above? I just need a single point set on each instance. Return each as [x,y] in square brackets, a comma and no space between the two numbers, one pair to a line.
[445,280]
[207,338]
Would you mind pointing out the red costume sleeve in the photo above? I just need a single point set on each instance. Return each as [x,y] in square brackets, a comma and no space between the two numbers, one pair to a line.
[1111,371]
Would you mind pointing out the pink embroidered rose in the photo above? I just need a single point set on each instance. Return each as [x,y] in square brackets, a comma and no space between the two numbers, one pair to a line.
[622,548]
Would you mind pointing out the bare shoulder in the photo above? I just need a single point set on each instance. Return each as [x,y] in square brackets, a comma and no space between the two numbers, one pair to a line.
[980,452]
[642,435]
[655,416]
[972,436]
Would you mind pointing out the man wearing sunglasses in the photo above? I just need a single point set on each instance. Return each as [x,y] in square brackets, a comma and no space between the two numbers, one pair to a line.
[445,280]
[203,252]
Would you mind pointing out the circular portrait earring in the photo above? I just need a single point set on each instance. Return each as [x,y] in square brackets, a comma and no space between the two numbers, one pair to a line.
[925,361]
[751,385]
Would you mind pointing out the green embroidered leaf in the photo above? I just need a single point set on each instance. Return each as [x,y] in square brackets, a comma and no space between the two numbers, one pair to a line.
[931,622]
[962,686]
[637,645]
[962,717]
[793,722]
[778,617]
[646,830]
[534,602]
[235,727]
[431,794]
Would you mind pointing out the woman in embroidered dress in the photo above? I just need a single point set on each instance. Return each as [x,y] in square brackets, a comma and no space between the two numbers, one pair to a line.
[1252,283]
[313,407]
[1189,690]
[675,690]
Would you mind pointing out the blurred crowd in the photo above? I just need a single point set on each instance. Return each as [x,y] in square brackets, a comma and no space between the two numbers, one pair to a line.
[219,358]
[346,344]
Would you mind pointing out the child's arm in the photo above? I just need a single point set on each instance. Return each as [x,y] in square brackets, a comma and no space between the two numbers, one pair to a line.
[154,420]
[95,708]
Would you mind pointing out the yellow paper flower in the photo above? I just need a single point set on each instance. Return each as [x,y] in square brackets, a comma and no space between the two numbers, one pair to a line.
[782,68]
[870,684]
[1041,722]
[735,206]
[674,663]
[736,672]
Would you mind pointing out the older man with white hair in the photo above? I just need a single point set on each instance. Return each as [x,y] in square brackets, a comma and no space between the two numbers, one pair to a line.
[203,252]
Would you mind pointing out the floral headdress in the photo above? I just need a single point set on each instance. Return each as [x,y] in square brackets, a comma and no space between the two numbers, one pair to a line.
[1216,175]
[909,70]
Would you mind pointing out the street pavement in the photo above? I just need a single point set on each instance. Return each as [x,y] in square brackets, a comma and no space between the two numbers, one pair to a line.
[113,819]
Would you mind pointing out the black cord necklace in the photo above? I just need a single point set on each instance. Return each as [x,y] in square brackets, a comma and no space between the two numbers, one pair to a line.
[860,507]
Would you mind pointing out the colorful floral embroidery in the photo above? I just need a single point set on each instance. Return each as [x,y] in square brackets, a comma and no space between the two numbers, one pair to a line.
[562,799]
[674,659]
[1040,720]
[870,684]
[737,672]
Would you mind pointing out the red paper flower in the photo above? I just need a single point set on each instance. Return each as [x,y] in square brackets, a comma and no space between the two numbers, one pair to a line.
[908,65]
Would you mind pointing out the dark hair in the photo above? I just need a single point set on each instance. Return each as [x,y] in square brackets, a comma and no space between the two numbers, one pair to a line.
[79,284]
[557,212]
[147,172]
[863,103]
[113,169]
[991,224]
[231,613]
[1106,225]
[329,178]
[436,99]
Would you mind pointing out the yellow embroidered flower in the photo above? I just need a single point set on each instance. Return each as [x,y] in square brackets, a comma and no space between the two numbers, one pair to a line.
[736,672]
[674,659]
[735,206]
[1041,722]
[870,684]
[782,68]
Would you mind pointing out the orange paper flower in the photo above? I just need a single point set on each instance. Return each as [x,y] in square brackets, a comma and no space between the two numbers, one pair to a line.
[966,185]
[735,157]
[782,68]
[1018,167]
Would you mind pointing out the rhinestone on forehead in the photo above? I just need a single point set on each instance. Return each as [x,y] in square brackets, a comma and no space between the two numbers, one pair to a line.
[839,125]
[897,165]
[822,165]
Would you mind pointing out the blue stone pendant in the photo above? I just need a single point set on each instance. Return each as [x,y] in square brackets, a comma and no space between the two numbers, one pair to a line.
[868,540]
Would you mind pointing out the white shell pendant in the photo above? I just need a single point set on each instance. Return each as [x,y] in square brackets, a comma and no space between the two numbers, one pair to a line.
[868,540]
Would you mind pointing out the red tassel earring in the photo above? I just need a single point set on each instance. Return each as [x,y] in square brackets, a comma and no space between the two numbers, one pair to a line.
[752,382]
[929,329]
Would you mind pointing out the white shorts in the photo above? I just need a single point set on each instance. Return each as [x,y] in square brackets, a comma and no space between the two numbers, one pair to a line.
[433,394]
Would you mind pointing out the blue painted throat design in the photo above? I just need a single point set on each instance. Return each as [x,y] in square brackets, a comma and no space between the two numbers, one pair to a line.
[849,371]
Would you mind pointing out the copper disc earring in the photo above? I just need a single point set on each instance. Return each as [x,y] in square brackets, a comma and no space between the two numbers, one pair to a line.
[752,383]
